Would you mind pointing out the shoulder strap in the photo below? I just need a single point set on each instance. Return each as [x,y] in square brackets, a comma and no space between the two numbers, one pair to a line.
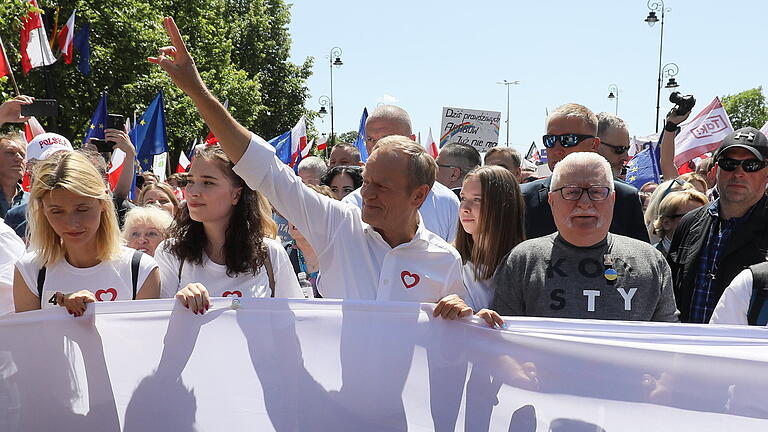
[40,282]
[135,261]
[181,266]
[758,313]
[270,271]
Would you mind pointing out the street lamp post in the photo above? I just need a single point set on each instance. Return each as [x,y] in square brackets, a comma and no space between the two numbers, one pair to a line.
[613,93]
[657,6]
[508,83]
[334,59]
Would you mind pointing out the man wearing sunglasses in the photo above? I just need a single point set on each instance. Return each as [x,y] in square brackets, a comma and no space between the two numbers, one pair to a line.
[572,128]
[716,242]
[614,142]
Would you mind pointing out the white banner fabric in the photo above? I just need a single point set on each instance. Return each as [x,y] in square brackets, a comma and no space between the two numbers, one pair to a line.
[302,365]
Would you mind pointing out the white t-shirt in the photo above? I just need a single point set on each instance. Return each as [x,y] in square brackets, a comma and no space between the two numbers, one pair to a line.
[11,248]
[214,276]
[108,280]
[355,261]
[734,303]
[479,293]
[440,210]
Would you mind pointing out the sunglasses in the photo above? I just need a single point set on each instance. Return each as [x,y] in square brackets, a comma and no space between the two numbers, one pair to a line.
[566,140]
[616,149]
[748,165]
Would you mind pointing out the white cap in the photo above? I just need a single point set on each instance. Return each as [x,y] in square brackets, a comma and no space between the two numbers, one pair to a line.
[44,145]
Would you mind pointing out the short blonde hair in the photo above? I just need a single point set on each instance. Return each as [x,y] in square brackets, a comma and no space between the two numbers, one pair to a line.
[671,203]
[572,110]
[154,216]
[71,171]
[422,169]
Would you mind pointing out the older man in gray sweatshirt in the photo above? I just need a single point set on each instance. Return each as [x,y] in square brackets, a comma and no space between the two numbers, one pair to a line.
[582,270]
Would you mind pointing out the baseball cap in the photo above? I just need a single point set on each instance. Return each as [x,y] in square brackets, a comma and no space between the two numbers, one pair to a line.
[44,145]
[747,138]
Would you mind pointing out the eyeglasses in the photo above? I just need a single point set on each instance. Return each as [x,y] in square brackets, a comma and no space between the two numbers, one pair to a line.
[574,193]
[616,149]
[748,165]
[447,166]
[566,140]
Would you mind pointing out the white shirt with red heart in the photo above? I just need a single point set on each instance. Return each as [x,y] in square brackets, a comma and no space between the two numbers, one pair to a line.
[108,280]
[355,261]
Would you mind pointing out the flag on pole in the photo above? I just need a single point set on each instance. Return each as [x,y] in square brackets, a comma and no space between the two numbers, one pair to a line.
[35,51]
[5,67]
[307,149]
[149,135]
[645,166]
[98,121]
[185,158]
[322,142]
[360,141]
[702,134]
[288,145]
[83,45]
[117,162]
[531,151]
[66,38]
[431,145]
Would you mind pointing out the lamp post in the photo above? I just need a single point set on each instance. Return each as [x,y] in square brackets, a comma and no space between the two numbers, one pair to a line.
[508,83]
[334,59]
[613,93]
[670,70]
[657,6]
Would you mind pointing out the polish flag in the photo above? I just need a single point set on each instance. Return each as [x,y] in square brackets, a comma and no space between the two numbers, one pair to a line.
[35,51]
[184,161]
[298,140]
[5,66]
[66,38]
[322,143]
[702,134]
[32,128]
[117,162]
[307,149]
[431,146]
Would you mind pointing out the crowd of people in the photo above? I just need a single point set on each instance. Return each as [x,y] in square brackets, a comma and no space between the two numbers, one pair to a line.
[474,233]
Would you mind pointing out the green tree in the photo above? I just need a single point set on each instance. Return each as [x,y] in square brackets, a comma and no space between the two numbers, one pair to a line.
[240,46]
[347,137]
[746,108]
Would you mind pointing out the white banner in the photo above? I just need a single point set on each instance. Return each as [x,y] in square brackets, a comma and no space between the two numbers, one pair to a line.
[360,366]
[702,134]
[477,128]
[159,166]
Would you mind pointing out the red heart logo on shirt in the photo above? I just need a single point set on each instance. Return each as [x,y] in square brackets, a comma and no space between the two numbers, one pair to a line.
[100,292]
[232,293]
[409,279]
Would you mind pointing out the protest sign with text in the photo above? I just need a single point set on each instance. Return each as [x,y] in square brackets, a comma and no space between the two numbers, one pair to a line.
[480,129]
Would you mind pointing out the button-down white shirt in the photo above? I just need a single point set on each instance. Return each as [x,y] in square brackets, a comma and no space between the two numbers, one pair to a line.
[355,261]
[440,210]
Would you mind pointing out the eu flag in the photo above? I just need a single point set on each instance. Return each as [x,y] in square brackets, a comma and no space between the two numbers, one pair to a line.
[148,134]
[644,166]
[98,121]
[81,43]
[360,141]
[282,145]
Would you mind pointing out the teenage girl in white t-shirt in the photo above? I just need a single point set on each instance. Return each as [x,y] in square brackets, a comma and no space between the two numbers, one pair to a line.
[219,245]
[74,237]
[491,212]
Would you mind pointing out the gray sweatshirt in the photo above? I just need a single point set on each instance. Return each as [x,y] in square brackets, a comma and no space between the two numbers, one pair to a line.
[549,277]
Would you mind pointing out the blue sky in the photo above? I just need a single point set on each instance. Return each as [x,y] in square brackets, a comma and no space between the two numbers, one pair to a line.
[423,55]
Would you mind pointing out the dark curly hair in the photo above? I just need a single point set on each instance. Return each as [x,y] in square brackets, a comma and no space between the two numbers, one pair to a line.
[244,249]
[355,172]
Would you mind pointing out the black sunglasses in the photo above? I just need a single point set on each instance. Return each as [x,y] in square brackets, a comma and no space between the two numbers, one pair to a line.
[748,165]
[616,149]
[566,140]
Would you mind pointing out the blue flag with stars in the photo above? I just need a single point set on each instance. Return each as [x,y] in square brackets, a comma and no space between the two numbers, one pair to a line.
[360,141]
[645,166]
[148,134]
[98,121]
[282,145]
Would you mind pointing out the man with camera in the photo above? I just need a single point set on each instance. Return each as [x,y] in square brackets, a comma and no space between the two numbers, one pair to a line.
[715,242]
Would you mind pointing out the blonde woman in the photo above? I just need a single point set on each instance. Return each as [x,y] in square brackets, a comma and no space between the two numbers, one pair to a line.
[145,228]
[491,223]
[160,195]
[76,256]
[672,208]
[661,192]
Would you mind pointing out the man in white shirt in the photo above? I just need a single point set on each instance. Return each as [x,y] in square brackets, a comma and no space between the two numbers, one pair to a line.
[381,253]
[440,211]
[11,248]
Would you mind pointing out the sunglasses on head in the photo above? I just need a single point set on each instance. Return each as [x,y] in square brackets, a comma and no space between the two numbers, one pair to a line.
[616,149]
[566,140]
[748,165]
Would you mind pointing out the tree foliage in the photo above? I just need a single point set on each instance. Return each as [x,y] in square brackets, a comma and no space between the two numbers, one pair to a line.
[746,108]
[241,48]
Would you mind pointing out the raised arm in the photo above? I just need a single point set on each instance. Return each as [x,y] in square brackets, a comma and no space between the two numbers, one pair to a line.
[180,66]
[667,157]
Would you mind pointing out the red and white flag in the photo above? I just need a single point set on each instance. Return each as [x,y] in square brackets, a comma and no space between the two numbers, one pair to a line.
[702,134]
[35,51]
[5,66]
[117,161]
[32,128]
[66,38]
[184,161]
[307,149]
[431,145]
[298,140]
[322,143]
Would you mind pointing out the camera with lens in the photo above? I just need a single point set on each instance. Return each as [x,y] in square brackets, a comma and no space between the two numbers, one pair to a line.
[684,103]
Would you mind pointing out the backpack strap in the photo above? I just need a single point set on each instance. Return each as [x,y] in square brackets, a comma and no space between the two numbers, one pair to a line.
[270,271]
[135,261]
[181,266]
[40,283]
[758,312]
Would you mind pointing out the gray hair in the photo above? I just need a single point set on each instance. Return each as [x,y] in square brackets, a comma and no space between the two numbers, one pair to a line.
[572,110]
[315,164]
[151,215]
[581,161]
[607,121]
[395,114]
